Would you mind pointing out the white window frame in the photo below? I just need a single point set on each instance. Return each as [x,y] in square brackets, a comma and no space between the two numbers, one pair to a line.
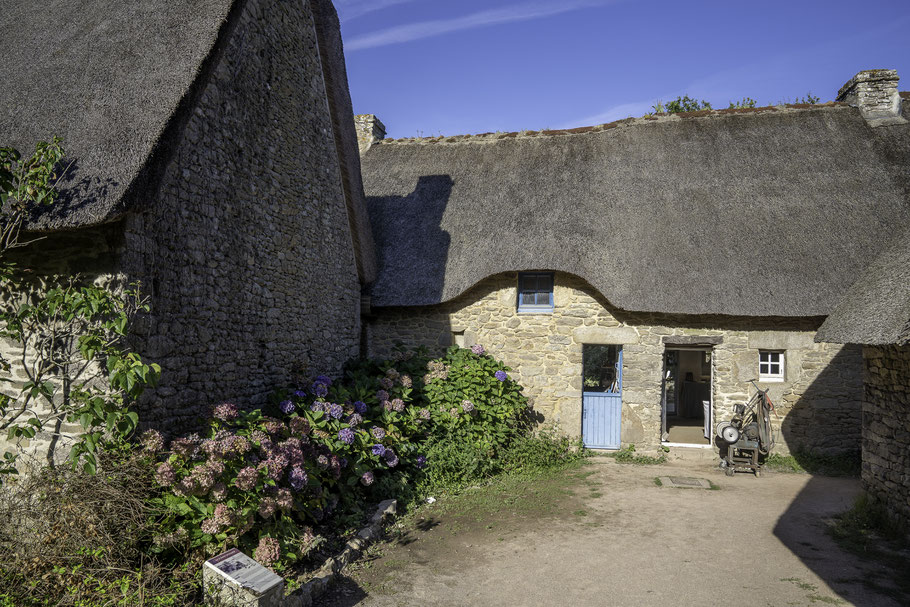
[765,362]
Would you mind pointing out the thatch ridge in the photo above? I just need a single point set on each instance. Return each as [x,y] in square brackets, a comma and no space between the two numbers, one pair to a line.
[481,137]
[762,213]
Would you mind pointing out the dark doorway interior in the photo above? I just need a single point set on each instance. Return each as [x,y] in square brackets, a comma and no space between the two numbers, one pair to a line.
[687,396]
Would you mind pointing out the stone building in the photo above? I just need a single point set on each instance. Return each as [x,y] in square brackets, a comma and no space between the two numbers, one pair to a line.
[214,160]
[875,312]
[636,275]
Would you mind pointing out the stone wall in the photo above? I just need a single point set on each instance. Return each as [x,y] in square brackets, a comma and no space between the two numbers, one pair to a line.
[246,252]
[886,428]
[89,254]
[819,403]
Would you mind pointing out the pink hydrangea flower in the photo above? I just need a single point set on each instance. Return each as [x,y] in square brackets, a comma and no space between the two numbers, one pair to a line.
[268,552]
[152,441]
[226,412]
[165,475]
[247,478]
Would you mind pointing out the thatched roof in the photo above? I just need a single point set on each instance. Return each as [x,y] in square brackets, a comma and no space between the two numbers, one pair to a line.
[769,212]
[118,80]
[876,309]
[331,51]
[108,77]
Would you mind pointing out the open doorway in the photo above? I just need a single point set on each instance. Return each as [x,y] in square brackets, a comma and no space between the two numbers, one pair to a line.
[686,397]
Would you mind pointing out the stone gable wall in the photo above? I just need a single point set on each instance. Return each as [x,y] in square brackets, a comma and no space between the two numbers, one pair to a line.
[886,428]
[819,403]
[247,251]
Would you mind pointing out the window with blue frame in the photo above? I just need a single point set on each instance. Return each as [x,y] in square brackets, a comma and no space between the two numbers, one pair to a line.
[535,292]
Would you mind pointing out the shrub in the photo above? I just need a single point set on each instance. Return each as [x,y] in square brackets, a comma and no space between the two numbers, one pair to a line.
[473,401]
[71,538]
[267,480]
[256,476]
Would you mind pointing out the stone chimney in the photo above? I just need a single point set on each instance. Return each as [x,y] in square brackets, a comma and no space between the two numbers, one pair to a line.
[369,130]
[874,92]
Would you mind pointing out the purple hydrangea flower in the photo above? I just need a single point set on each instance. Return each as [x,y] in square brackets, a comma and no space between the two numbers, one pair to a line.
[377,432]
[367,478]
[397,405]
[336,411]
[477,349]
[318,406]
[286,407]
[297,477]
[421,461]
[379,449]
[320,390]
[299,425]
[355,420]
[386,383]
[424,414]
[322,461]
[346,435]
[391,458]
[501,375]
[324,380]
[382,395]
[300,393]
[360,407]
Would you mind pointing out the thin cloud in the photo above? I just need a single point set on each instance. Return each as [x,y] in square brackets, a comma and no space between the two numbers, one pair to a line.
[428,29]
[636,108]
[351,9]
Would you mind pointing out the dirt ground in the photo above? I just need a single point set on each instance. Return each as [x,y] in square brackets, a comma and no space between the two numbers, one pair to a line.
[606,534]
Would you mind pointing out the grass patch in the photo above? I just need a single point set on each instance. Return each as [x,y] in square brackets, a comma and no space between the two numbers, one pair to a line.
[627,455]
[844,464]
[867,531]
[658,482]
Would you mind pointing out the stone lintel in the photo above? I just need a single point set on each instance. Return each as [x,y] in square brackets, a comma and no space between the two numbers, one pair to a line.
[693,340]
[781,340]
[606,335]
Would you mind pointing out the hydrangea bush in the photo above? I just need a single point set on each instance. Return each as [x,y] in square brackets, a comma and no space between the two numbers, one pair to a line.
[261,480]
[473,400]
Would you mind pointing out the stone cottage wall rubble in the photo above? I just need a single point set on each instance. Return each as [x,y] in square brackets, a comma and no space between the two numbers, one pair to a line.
[818,405]
[886,428]
[245,250]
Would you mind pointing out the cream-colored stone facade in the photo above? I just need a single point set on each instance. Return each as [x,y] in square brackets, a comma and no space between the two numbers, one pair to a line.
[818,403]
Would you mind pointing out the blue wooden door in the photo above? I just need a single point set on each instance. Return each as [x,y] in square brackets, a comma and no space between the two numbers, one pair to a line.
[601,413]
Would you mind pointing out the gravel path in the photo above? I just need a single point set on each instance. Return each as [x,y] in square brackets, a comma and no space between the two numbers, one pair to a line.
[616,538]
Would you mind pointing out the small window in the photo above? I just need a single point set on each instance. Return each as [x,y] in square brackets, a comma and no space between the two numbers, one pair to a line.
[535,292]
[770,365]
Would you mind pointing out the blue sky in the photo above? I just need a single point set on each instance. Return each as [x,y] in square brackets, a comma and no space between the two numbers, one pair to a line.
[430,67]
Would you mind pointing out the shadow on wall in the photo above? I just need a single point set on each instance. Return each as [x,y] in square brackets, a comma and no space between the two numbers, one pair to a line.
[827,418]
[420,245]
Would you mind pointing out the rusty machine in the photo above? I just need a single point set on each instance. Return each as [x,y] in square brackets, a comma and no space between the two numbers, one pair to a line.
[747,435]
